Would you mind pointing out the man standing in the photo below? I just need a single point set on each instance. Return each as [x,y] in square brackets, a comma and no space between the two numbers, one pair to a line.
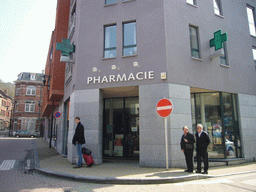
[78,140]
[187,146]
[202,142]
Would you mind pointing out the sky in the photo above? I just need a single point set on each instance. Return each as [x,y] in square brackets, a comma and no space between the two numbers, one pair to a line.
[25,32]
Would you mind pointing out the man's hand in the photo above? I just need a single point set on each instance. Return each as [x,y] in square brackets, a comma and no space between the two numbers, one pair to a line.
[182,150]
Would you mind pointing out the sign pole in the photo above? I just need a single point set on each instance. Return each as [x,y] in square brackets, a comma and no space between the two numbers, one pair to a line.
[166,143]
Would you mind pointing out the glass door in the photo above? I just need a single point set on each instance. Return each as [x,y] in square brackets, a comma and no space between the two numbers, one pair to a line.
[121,127]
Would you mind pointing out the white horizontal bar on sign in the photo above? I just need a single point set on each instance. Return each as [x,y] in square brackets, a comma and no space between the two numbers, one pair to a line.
[7,165]
[164,108]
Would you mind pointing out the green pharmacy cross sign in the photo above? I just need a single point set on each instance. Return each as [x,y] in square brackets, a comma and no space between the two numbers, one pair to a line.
[218,40]
[65,47]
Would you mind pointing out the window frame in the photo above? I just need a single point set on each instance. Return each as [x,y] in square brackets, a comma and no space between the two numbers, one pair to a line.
[30,105]
[254,56]
[225,57]
[198,42]
[110,3]
[30,90]
[129,46]
[110,48]
[194,2]
[251,24]
[219,5]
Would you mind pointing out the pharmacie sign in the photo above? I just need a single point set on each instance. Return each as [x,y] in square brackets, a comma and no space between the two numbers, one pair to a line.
[148,75]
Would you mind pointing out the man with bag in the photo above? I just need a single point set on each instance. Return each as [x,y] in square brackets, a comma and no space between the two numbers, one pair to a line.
[78,140]
[187,146]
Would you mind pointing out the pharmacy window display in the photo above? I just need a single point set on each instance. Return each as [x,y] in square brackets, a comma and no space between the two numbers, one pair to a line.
[217,112]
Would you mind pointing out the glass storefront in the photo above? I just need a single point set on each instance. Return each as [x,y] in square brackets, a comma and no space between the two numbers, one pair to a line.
[217,112]
[121,127]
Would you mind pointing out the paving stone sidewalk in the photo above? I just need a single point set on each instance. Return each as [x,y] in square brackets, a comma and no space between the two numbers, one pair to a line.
[124,172]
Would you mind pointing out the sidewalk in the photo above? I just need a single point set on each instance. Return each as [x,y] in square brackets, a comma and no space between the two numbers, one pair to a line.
[124,172]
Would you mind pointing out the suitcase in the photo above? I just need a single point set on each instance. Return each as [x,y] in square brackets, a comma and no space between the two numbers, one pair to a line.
[88,159]
[86,151]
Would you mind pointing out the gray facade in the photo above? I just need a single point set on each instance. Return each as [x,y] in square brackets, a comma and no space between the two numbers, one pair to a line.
[163,45]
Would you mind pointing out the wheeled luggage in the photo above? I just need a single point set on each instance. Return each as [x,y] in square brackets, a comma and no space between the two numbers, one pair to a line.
[88,159]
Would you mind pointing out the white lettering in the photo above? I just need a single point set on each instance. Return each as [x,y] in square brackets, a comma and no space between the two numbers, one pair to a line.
[89,79]
[151,75]
[104,79]
[131,76]
[94,79]
[112,78]
[121,78]
[145,75]
[137,76]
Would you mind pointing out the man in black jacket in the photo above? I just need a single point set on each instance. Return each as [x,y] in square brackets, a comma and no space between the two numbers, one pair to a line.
[187,146]
[202,142]
[78,140]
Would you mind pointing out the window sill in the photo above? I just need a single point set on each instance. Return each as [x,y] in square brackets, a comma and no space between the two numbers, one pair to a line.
[127,56]
[221,16]
[192,5]
[109,58]
[128,1]
[108,5]
[197,59]
[227,66]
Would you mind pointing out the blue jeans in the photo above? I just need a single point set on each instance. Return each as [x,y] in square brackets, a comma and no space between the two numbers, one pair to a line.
[79,154]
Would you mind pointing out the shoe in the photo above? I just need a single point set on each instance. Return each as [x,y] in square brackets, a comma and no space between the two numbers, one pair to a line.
[198,171]
[205,172]
[77,167]
[186,170]
[190,171]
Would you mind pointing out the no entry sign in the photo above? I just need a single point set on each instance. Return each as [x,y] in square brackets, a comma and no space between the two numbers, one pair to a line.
[57,114]
[164,107]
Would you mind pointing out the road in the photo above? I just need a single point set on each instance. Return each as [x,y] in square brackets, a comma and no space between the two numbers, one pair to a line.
[14,176]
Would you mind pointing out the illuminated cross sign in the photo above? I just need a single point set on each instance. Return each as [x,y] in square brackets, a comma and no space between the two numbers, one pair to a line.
[65,47]
[218,40]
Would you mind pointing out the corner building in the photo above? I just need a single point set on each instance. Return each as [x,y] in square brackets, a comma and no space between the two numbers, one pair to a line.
[129,54]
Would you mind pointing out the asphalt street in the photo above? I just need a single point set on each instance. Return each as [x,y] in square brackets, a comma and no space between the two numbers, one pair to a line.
[14,176]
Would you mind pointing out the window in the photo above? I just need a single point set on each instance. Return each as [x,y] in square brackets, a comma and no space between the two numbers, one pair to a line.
[110,41]
[250,15]
[129,39]
[217,7]
[109,2]
[192,2]
[30,106]
[32,77]
[17,91]
[194,44]
[254,56]
[223,59]
[31,90]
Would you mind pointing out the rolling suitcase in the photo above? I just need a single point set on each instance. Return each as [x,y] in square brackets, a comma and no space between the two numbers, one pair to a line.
[88,159]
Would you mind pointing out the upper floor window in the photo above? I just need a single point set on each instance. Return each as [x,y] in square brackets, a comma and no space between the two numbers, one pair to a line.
[194,42]
[129,39]
[109,2]
[17,91]
[31,90]
[217,7]
[254,56]
[250,15]
[223,58]
[192,2]
[110,41]
[30,106]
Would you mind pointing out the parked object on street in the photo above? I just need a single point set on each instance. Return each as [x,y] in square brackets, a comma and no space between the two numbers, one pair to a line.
[26,134]
[87,156]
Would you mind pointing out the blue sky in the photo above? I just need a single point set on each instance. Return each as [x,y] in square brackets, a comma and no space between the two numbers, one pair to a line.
[25,32]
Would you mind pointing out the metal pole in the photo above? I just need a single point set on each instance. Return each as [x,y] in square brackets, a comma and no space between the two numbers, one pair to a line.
[50,145]
[166,143]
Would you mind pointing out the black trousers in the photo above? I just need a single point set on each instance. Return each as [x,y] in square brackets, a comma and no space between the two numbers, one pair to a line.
[202,154]
[189,159]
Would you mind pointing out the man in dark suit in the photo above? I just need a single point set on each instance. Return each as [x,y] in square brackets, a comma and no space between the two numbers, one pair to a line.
[187,146]
[78,140]
[202,142]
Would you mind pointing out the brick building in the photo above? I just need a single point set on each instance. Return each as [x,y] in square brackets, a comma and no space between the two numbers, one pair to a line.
[28,93]
[5,110]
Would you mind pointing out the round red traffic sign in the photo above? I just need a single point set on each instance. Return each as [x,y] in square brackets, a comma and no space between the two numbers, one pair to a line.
[57,114]
[164,107]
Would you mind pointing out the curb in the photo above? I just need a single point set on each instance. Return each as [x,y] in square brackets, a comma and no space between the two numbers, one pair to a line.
[114,180]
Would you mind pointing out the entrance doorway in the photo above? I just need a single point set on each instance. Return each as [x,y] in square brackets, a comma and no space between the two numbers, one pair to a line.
[121,128]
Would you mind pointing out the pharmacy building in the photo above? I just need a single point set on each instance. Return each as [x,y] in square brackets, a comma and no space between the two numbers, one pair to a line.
[120,57]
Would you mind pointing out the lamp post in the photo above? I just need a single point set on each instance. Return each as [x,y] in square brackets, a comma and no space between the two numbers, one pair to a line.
[44,84]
